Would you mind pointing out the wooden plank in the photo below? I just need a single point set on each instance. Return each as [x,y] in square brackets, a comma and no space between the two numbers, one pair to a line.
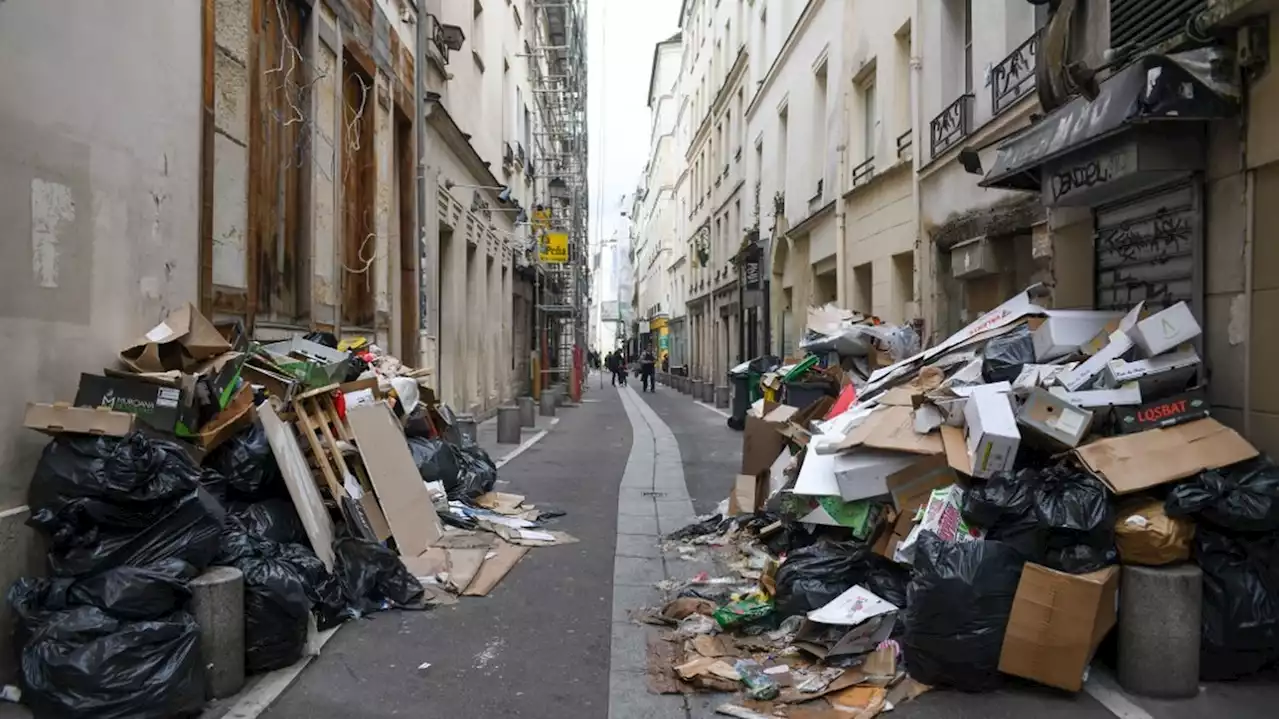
[403,496]
[318,451]
[302,487]
[505,556]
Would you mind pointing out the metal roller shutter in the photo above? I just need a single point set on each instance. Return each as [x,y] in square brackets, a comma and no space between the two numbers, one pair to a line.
[1147,247]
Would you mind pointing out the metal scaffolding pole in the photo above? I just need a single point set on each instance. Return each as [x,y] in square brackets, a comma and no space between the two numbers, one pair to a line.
[558,69]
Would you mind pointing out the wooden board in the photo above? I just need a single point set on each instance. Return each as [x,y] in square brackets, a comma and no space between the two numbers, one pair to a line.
[495,568]
[302,488]
[404,498]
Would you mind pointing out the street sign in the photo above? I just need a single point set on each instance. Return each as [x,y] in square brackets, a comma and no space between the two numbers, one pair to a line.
[555,248]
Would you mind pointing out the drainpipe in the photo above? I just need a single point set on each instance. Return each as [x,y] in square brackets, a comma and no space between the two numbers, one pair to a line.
[1250,189]
[842,155]
[426,303]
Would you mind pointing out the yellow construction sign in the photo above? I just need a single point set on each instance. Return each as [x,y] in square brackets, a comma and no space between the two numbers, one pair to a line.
[554,248]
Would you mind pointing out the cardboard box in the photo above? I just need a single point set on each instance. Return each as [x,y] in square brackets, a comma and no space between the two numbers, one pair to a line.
[181,341]
[864,473]
[1124,324]
[1127,394]
[761,445]
[891,428]
[1133,462]
[230,420]
[168,409]
[61,417]
[1080,376]
[1185,407]
[1165,330]
[853,623]
[858,517]
[1063,332]
[942,517]
[749,493]
[991,433]
[1056,624]
[1053,418]
[911,486]
[1156,376]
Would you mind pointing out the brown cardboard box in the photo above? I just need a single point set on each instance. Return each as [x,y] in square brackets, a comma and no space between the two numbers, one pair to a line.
[1133,462]
[1057,622]
[749,493]
[61,417]
[226,423]
[180,342]
[910,487]
[892,428]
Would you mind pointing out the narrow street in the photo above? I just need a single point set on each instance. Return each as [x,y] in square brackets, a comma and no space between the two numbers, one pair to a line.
[555,639]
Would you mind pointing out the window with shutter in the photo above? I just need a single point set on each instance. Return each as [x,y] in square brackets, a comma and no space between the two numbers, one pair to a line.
[1146,22]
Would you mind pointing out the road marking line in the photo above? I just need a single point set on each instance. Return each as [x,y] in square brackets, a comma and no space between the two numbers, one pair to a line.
[1100,687]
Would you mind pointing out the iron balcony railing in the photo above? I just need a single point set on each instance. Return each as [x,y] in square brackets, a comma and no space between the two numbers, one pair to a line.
[904,145]
[951,125]
[436,33]
[863,172]
[1015,76]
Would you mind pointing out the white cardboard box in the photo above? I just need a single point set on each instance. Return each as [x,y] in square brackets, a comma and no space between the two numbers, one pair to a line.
[991,433]
[1087,370]
[1126,394]
[1165,330]
[1064,331]
[863,473]
[1049,415]
[1156,375]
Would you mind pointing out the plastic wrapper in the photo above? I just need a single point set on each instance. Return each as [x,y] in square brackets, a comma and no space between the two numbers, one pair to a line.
[477,474]
[1146,535]
[82,663]
[1238,633]
[760,686]
[83,482]
[275,519]
[813,576]
[1057,516]
[373,576]
[859,340]
[249,466]
[1241,497]
[743,611]
[958,604]
[189,529]
[1004,356]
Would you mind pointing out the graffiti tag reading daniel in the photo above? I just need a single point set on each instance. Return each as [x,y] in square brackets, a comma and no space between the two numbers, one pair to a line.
[1095,171]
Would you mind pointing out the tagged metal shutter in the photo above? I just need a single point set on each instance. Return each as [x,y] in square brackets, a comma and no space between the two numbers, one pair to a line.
[1147,247]
[1146,22]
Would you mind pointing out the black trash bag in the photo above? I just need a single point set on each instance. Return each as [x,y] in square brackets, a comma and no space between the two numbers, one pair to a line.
[128,593]
[1057,516]
[373,576]
[328,339]
[190,529]
[276,609]
[710,525]
[215,484]
[249,466]
[1003,356]
[813,576]
[477,473]
[418,424]
[275,519]
[436,460]
[958,604]
[1242,497]
[1238,626]
[84,481]
[324,589]
[82,663]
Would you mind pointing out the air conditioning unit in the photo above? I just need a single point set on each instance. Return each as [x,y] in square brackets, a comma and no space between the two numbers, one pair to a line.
[973,258]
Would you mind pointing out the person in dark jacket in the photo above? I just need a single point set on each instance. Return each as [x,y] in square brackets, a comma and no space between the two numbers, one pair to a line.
[647,365]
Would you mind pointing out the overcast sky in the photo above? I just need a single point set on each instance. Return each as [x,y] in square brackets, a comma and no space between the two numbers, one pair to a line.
[621,36]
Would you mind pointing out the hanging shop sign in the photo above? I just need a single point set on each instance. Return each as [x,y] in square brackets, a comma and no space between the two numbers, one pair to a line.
[554,249]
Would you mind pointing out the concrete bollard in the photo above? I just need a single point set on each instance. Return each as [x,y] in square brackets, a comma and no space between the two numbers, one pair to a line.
[722,396]
[528,412]
[686,385]
[466,424]
[217,601]
[1159,644]
[709,392]
[700,393]
[547,403]
[508,425]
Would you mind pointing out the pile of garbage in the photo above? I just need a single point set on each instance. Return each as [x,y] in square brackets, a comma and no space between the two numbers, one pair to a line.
[323,471]
[908,529]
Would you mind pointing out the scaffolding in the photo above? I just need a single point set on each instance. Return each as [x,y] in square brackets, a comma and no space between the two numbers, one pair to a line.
[558,69]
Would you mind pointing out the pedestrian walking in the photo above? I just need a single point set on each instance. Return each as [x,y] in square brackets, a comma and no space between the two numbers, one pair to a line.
[647,365]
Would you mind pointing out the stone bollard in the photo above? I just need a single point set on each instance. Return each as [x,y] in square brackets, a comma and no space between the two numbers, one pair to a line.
[722,396]
[686,385]
[528,412]
[1159,649]
[700,393]
[217,601]
[562,394]
[709,392]
[508,425]
[466,424]
[547,403]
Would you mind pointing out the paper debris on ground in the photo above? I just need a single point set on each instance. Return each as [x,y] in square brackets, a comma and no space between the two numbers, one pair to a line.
[495,567]
[714,646]
[660,659]
[501,502]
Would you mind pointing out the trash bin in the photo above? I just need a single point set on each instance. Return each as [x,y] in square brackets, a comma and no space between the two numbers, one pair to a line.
[803,394]
[745,380]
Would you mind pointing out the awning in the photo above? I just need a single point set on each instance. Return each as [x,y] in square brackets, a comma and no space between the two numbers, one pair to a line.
[1192,85]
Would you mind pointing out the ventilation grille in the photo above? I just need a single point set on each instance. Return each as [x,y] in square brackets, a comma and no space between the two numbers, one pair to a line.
[1147,22]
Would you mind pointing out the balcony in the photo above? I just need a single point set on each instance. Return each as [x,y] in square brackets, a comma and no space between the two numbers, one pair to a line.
[904,146]
[951,125]
[862,173]
[1015,76]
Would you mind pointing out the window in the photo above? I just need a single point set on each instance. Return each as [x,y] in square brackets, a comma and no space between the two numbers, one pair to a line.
[782,150]
[904,286]
[902,66]
[870,121]
[358,195]
[862,289]
[968,46]
[820,121]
